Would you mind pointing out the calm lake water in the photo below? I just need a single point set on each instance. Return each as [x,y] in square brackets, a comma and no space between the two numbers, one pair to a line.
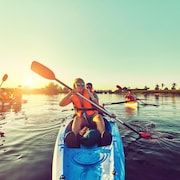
[30,131]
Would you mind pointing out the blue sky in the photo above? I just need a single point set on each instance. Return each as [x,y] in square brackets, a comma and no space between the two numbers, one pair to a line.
[130,43]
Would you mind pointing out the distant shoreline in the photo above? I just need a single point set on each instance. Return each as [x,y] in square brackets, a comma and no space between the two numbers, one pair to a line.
[143,91]
[156,92]
[57,91]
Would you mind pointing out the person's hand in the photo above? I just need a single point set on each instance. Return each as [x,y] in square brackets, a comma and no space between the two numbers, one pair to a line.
[74,91]
[113,116]
[83,130]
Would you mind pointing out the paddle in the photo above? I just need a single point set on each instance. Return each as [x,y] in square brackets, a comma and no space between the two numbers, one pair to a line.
[119,87]
[4,79]
[112,103]
[67,110]
[49,74]
[147,104]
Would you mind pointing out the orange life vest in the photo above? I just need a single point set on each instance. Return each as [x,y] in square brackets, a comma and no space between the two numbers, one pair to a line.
[130,97]
[81,105]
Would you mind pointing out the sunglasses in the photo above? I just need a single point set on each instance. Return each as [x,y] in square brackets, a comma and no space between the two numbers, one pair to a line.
[80,84]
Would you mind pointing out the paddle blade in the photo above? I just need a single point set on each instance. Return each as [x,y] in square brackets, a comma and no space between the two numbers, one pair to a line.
[119,87]
[5,77]
[42,70]
[145,135]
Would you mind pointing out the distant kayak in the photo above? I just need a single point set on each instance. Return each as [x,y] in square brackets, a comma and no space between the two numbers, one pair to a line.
[132,104]
[89,163]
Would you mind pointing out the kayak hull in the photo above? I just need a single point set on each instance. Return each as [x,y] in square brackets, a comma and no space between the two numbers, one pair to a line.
[132,104]
[87,163]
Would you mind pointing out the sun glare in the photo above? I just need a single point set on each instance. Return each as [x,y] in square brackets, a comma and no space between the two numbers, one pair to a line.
[28,83]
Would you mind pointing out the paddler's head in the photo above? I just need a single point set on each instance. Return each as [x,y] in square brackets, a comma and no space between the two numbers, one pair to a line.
[79,84]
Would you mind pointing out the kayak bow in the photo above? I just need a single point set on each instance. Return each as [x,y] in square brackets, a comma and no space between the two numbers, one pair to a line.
[87,163]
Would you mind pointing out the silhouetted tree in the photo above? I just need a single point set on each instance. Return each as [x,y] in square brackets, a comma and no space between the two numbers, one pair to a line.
[157,87]
[146,88]
[162,85]
[52,89]
[173,86]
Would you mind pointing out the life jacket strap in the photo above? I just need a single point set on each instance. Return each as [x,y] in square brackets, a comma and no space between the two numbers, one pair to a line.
[85,109]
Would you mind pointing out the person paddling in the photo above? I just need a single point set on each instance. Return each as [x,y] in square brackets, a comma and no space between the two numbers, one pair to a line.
[130,96]
[85,115]
[92,93]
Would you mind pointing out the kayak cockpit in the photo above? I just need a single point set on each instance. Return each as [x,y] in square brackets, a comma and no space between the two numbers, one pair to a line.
[87,137]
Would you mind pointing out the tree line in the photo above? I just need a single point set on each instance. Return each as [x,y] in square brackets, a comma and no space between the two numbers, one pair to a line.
[54,89]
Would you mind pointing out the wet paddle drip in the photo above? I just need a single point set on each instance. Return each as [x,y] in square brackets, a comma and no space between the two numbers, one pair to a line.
[147,131]
[144,130]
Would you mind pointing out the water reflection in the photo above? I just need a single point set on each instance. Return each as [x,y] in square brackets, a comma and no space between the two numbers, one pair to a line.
[130,111]
[5,107]
[16,107]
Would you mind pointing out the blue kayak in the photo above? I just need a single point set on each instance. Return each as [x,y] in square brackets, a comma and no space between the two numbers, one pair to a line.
[89,163]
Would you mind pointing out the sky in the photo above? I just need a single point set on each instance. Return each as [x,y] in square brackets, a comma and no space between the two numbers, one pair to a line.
[131,43]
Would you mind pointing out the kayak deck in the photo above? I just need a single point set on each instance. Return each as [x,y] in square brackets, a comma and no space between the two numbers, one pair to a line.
[132,104]
[87,163]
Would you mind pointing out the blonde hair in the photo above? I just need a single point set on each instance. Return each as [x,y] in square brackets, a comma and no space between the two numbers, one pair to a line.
[76,80]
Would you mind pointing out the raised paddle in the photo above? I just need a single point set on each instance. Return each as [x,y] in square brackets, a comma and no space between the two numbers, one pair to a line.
[119,87]
[4,79]
[49,74]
